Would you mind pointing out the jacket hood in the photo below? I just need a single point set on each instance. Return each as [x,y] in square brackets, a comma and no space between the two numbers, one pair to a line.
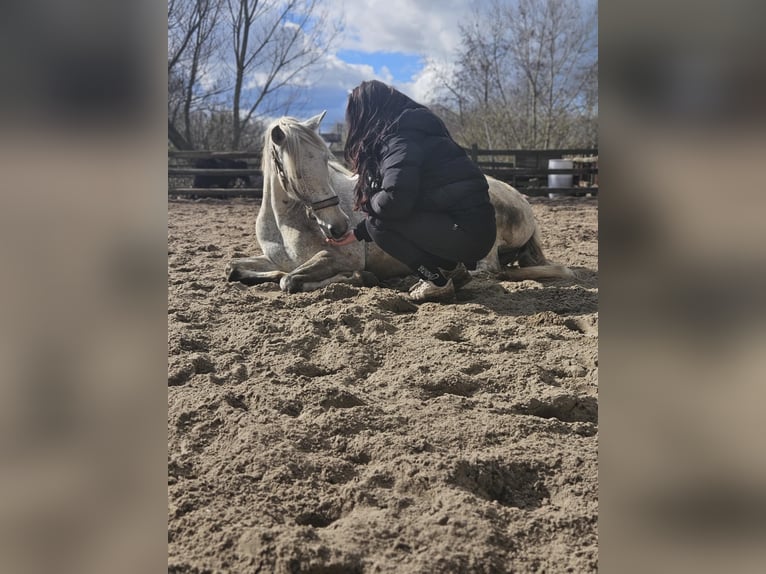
[423,120]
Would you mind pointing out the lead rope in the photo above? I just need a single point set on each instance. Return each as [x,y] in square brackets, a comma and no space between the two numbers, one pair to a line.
[280,168]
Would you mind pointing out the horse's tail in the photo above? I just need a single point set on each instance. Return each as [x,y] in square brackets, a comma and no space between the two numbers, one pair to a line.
[534,265]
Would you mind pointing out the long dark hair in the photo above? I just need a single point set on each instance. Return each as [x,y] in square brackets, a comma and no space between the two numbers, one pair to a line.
[371,114]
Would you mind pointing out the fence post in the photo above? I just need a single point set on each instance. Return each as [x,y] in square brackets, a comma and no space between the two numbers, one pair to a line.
[474,153]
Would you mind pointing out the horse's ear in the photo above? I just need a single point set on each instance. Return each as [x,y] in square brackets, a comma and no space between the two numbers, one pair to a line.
[314,122]
[277,135]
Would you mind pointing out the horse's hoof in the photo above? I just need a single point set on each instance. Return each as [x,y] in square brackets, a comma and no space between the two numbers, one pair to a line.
[290,284]
[232,273]
[235,274]
[369,279]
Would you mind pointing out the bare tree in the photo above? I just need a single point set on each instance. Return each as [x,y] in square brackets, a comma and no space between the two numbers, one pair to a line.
[525,74]
[182,22]
[273,44]
[191,27]
[239,58]
[553,46]
[201,51]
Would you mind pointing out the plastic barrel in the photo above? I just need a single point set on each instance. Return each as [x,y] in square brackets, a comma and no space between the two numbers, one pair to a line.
[559,180]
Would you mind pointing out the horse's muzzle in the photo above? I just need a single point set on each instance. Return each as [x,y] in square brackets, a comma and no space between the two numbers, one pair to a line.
[338,231]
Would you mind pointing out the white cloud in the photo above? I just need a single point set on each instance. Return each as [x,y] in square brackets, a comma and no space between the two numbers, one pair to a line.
[333,79]
[415,27]
[421,27]
[428,83]
[332,72]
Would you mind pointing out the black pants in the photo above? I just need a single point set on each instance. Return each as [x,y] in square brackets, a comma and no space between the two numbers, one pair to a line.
[437,239]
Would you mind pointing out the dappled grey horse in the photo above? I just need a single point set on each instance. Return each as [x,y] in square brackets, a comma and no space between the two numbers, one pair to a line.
[308,197]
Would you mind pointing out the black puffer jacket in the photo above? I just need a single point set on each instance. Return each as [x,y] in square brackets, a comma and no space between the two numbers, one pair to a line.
[423,169]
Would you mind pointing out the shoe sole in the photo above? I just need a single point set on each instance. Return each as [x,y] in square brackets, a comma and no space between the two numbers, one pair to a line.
[442,299]
[439,297]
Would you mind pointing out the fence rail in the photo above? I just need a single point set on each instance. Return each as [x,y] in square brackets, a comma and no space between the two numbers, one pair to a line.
[202,154]
[179,171]
[526,170]
[184,179]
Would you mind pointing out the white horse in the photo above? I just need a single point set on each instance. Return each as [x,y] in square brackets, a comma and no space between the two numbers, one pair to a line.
[308,197]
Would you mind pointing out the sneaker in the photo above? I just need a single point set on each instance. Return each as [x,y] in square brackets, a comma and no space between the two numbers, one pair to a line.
[424,291]
[459,275]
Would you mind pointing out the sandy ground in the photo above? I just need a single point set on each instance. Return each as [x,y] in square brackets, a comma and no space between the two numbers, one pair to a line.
[347,430]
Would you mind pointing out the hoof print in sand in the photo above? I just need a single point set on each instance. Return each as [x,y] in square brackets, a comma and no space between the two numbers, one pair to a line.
[508,483]
[566,408]
[340,399]
[461,386]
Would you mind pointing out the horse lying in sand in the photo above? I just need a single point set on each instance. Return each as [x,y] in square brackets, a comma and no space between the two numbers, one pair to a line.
[308,197]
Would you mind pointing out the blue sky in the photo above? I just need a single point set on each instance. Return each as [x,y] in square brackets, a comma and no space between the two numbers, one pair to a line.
[396,41]
[401,42]
[400,66]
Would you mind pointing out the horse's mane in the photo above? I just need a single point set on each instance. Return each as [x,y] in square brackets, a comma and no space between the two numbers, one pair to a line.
[296,136]
[340,168]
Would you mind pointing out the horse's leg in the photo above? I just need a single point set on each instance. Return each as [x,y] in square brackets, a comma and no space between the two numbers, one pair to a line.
[491,263]
[253,271]
[356,278]
[322,269]
[533,264]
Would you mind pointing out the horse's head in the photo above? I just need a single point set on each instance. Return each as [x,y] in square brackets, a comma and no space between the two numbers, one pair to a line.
[298,156]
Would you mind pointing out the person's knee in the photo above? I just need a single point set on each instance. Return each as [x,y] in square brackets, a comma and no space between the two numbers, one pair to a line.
[380,229]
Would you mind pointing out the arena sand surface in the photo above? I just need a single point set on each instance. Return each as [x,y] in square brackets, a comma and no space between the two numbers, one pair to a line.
[347,430]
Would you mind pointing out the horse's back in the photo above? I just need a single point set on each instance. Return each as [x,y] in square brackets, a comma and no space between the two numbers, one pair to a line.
[516,222]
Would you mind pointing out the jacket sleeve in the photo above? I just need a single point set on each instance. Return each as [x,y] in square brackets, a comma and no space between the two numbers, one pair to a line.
[400,187]
[361,233]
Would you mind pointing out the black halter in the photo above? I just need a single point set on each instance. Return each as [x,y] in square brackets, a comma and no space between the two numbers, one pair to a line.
[288,185]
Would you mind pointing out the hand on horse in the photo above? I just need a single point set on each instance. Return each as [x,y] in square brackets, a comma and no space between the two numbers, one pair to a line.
[346,239]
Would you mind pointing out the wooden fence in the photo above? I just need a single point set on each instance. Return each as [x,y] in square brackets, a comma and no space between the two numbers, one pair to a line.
[526,170]
[529,171]
[181,173]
